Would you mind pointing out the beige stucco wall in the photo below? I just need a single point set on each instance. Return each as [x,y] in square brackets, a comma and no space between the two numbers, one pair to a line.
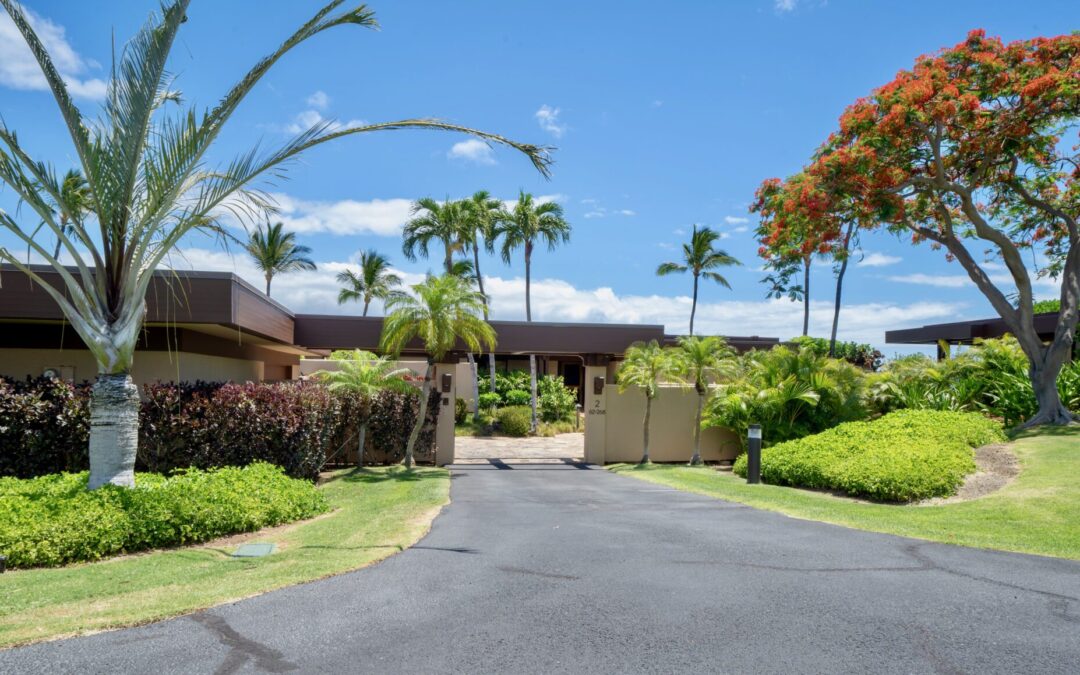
[671,427]
[148,366]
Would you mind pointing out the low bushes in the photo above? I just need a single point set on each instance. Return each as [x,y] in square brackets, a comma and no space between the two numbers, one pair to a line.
[44,426]
[514,420]
[903,456]
[54,520]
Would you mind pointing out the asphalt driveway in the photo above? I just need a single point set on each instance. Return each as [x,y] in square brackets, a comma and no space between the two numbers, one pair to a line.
[543,568]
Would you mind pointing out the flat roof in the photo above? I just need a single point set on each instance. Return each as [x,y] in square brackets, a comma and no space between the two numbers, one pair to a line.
[965,332]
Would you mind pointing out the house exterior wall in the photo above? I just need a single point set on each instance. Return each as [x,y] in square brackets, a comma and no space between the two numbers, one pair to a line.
[148,366]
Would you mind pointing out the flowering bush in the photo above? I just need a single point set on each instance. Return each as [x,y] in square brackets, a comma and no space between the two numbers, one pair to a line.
[44,427]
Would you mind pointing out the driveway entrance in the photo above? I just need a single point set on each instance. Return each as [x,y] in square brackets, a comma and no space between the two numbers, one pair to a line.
[560,449]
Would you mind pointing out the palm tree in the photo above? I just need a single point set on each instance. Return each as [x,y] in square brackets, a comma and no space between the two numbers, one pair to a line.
[701,259]
[434,222]
[698,362]
[441,312]
[150,185]
[482,214]
[526,223]
[275,251]
[366,374]
[644,366]
[374,282]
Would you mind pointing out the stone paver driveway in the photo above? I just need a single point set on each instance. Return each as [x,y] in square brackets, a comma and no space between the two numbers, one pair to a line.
[480,450]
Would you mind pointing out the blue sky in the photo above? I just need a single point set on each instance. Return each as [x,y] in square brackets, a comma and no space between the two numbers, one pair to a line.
[664,115]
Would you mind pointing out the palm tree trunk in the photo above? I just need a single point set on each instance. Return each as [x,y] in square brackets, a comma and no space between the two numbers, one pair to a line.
[367,301]
[839,290]
[268,278]
[806,297]
[448,259]
[696,459]
[528,317]
[425,393]
[645,431]
[475,387]
[532,390]
[528,281]
[480,278]
[693,306]
[491,369]
[360,446]
[114,430]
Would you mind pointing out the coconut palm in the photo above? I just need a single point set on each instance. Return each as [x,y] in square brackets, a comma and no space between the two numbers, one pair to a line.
[699,362]
[434,223]
[375,281]
[701,259]
[150,183]
[524,225]
[366,374]
[482,212]
[644,366]
[275,251]
[441,312]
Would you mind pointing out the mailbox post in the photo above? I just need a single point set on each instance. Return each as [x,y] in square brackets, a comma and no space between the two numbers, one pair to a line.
[753,454]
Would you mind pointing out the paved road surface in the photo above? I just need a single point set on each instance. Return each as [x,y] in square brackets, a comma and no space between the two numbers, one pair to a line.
[563,569]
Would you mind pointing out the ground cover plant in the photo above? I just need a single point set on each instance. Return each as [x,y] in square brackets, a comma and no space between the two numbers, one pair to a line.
[373,513]
[1036,513]
[904,456]
[54,520]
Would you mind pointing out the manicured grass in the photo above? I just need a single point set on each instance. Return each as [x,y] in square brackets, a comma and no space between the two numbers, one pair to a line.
[1037,513]
[376,513]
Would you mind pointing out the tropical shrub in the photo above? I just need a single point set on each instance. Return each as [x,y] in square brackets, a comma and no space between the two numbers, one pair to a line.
[44,427]
[791,393]
[461,410]
[53,519]
[903,456]
[505,382]
[557,401]
[392,418]
[516,397]
[514,420]
[489,400]
[862,355]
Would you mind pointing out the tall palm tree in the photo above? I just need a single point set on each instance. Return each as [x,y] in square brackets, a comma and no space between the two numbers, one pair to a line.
[150,185]
[525,224]
[434,222]
[275,251]
[701,259]
[482,212]
[366,374]
[644,366]
[374,282]
[699,362]
[441,312]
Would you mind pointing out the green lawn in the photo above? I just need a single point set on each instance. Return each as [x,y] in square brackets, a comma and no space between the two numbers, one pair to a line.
[376,513]
[1038,513]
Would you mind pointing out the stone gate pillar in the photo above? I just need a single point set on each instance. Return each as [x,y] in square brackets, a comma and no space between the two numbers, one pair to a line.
[446,384]
[596,386]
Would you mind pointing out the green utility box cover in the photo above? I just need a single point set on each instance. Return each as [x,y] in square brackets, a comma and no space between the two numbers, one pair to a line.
[254,550]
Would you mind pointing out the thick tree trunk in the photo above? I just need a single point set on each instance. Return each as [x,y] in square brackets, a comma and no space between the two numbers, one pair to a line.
[696,459]
[839,291]
[693,306]
[1051,409]
[114,430]
[532,390]
[806,298]
[425,392]
[645,431]
[360,446]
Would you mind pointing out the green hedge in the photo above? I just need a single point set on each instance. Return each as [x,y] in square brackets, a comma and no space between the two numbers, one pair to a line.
[903,456]
[514,420]
[54,520]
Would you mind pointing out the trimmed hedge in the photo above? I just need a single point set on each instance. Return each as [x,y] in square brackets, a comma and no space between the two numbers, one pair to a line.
[514,420]
[903,456]
[53,520]
[44,426]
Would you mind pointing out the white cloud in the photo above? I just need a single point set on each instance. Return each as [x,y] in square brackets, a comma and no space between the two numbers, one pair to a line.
[309,118]
[741,229]
[318,100]
[473,150]
[735,220]
[19,69]
[1002,281]
[678,232]
[548,119]
[627,212]
[558,300]
[785,5]
[878,260]
[383,217]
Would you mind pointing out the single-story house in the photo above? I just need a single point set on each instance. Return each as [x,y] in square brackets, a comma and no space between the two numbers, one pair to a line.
[966,332]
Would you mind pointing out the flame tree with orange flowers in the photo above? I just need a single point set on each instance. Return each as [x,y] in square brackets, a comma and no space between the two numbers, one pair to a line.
[974,150]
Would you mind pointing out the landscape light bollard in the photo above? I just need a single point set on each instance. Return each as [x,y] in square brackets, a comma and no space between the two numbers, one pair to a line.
[753,454]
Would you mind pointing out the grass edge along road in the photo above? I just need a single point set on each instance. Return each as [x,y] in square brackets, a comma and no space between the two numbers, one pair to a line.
[375,514]
[1036,513]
